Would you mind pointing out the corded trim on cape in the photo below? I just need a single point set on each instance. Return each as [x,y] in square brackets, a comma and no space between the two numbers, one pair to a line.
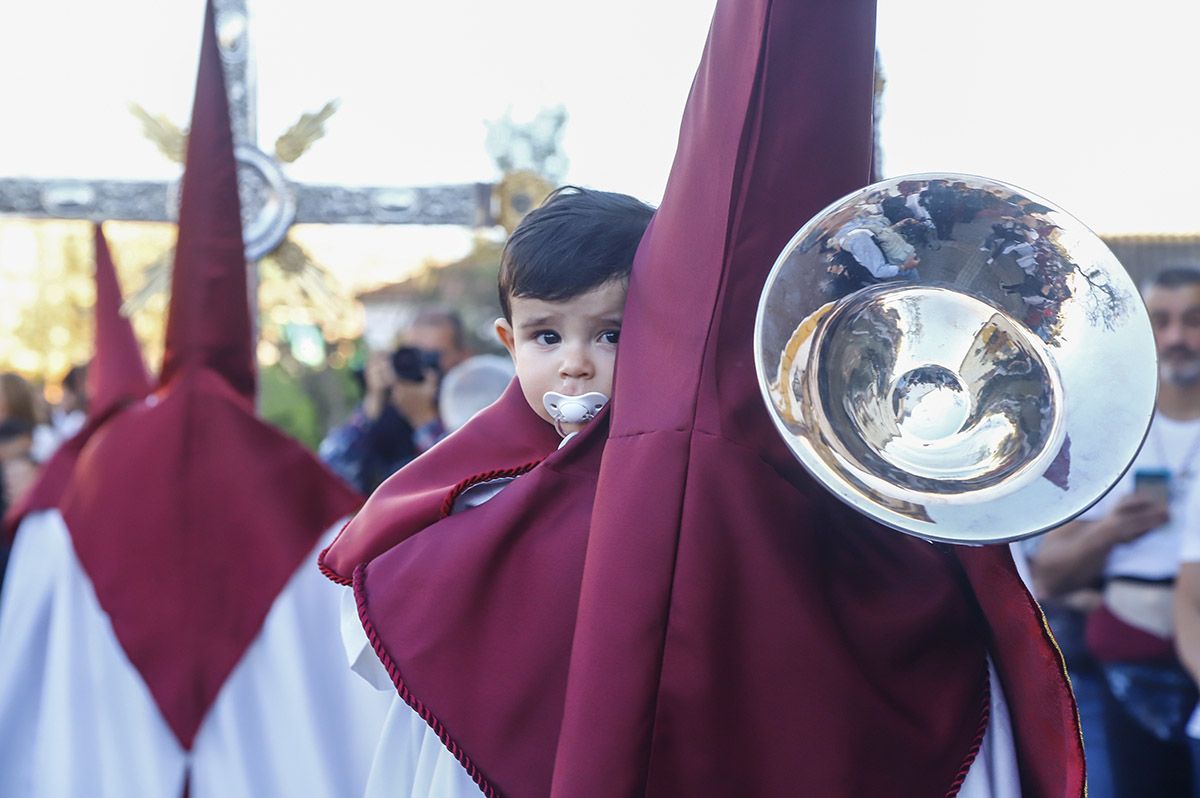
[443,512]
[394,673]
[486,476]
[977,741]
[328,572]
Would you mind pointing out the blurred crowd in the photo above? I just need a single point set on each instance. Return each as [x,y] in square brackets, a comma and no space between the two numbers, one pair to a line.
[31,430]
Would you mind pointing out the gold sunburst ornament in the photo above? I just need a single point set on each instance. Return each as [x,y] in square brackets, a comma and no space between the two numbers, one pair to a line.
[304,133]
[169,138]
[310,288]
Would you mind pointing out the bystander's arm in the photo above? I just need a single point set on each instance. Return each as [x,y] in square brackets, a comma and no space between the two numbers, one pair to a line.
[1070,558]
[1073,556]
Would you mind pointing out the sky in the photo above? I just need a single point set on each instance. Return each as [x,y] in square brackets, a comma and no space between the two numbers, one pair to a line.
[1089,105]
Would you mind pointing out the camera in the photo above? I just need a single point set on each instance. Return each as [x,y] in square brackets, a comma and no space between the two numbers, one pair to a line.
[411,363]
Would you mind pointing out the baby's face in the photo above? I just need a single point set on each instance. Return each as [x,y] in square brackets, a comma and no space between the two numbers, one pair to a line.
[568,346]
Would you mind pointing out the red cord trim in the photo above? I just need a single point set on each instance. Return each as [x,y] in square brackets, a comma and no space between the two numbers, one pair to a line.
[329,573]
[977,742]
[458,489]
[360,598]
[444,511]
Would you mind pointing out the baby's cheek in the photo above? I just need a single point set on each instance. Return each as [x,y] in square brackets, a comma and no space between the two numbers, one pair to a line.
[533,398]
[607,364]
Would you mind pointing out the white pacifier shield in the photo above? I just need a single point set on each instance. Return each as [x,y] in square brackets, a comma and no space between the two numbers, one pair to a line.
[573,409]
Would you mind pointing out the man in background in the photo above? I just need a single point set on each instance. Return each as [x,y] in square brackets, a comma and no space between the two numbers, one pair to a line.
[398,418]
[1125,553]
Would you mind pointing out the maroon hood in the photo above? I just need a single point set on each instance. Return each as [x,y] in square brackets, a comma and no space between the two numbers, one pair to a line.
[117,373]
[188,513]
[699,618]
[116,376]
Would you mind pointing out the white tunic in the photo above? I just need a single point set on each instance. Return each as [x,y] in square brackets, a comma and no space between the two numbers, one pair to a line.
[78,721]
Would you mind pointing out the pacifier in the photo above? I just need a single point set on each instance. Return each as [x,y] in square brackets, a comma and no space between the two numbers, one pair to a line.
[573,409]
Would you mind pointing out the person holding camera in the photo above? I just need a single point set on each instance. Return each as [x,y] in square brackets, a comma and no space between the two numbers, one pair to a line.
[398,418]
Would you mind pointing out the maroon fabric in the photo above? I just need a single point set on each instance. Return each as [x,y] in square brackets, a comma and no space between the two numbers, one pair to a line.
[1112,640]
[189,514]
[116,375]
[1059,470]
[733,630]
[501,574]
[475,617]
[754,598]
[1031,668]
[506,438]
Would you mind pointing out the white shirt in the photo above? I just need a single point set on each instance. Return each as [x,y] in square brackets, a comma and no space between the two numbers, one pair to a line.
[1170,446]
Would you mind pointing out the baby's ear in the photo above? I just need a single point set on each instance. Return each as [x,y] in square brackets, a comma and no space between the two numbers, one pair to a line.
[504,332]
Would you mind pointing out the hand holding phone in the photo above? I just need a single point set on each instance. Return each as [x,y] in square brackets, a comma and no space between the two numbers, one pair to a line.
[1142,510]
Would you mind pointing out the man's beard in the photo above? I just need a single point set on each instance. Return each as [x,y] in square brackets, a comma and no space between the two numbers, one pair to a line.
[1184,372]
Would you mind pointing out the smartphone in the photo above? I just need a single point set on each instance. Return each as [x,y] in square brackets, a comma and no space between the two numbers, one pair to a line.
[1154,484]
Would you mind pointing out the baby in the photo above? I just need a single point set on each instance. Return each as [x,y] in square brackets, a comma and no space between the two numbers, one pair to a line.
[563,279]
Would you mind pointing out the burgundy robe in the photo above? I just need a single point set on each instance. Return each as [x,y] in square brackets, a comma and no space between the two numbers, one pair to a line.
[701,619]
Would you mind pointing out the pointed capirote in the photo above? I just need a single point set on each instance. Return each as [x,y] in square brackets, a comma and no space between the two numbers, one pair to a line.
[208,324]
[117,373]
[116,376]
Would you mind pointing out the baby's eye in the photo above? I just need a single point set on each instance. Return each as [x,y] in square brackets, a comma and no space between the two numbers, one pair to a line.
[547,337]
[610,336]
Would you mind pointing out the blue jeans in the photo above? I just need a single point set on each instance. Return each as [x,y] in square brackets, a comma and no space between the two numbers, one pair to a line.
[1090,689]
[1145,711]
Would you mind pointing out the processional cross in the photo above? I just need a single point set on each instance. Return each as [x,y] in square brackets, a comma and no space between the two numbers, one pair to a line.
[271,202]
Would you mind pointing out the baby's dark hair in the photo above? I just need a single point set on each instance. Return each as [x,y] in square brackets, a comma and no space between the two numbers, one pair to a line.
[577,240]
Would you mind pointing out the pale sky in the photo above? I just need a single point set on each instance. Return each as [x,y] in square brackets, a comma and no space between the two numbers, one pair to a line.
[1091,105]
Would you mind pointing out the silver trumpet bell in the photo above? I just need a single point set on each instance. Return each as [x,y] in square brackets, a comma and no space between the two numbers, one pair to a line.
[956,358]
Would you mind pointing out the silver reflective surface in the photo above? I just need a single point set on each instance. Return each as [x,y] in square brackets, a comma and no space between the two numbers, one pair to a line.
[956,358]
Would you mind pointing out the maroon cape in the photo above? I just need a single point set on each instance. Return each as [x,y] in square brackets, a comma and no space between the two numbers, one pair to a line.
[702,619]
[188,514]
